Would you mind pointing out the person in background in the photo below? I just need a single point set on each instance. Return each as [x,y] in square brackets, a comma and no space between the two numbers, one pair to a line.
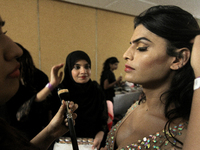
[92,112]
[159,59]
[32,80]
[108,82]
[11,138]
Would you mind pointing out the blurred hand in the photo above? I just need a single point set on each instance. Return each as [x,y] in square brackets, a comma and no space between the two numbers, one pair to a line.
[119,79]
[104,148]
[55,76]
[97,140]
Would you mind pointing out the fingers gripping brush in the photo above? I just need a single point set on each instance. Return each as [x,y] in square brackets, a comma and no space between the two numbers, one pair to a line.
[64,95]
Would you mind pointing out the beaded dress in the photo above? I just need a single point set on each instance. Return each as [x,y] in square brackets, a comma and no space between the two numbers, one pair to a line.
[156,141]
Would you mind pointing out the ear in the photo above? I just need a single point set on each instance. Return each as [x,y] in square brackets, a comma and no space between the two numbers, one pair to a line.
[181,59]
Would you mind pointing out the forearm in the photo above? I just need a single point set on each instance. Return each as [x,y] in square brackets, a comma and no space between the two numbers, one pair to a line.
[43,140]
[112,84]
[56,128]
[42,94]
[98,139]
[100,135]
[55,80]
[193,136]
[107,86]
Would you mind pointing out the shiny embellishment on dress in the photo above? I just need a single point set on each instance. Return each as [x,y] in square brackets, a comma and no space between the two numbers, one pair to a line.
[159,141]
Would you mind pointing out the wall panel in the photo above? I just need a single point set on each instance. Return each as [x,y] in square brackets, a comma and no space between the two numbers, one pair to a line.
[50,30]
[114,33]
[21,18]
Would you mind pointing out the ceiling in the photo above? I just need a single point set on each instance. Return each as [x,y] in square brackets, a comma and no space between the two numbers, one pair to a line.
[135,7]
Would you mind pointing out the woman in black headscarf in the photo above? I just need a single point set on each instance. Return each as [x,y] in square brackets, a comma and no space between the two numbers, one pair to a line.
[92,111]
[92,114]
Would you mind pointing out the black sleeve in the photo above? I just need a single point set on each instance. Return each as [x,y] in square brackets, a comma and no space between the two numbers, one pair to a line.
[30,107]
[104,114]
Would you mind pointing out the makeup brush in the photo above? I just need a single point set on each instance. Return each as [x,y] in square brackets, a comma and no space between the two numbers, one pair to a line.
[64,95]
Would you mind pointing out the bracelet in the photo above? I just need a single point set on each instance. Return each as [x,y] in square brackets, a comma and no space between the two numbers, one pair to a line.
[197,83]
[49,86]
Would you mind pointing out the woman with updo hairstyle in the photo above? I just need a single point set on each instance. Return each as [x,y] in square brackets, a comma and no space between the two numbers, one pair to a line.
[158,59]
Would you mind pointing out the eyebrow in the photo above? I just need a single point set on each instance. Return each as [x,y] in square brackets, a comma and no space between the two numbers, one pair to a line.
[141,38]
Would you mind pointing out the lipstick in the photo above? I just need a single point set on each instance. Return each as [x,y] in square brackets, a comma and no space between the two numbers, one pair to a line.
[128,68]
[15,73]
[83,77]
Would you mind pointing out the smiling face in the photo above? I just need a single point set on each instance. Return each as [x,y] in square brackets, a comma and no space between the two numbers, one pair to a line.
[9,66]
[147,60]
[81,72]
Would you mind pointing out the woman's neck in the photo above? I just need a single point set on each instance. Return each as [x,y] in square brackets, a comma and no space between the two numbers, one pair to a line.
[155,99]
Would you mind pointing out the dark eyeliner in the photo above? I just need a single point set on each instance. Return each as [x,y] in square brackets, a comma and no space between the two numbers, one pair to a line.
[77,67]
[142,48]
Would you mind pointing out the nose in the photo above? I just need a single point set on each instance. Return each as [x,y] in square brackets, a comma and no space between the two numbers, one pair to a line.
[12,51]
[82,70]
[128,54]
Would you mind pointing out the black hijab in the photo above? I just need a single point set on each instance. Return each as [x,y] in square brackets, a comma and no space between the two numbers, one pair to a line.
[72,58]
[88,96]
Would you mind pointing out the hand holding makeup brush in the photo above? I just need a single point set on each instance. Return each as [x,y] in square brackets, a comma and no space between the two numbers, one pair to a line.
[57,122]
[64,95]
[56,128]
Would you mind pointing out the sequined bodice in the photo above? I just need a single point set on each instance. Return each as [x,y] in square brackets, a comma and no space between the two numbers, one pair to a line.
[159,141]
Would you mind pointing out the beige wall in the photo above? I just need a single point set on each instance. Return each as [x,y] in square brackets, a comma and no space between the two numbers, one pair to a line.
[50,30]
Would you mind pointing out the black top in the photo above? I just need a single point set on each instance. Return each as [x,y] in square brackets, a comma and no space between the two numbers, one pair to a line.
[37,117]
[92,111]
[110,92]
[10,138]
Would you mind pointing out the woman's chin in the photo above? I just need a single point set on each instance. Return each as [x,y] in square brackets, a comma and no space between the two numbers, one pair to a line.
[129,78]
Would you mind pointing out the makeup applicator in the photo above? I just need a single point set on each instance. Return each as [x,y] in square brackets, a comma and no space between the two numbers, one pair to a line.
[64,95]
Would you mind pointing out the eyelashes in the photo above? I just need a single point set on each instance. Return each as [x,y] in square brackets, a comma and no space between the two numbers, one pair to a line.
[77,67]
[142,48]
